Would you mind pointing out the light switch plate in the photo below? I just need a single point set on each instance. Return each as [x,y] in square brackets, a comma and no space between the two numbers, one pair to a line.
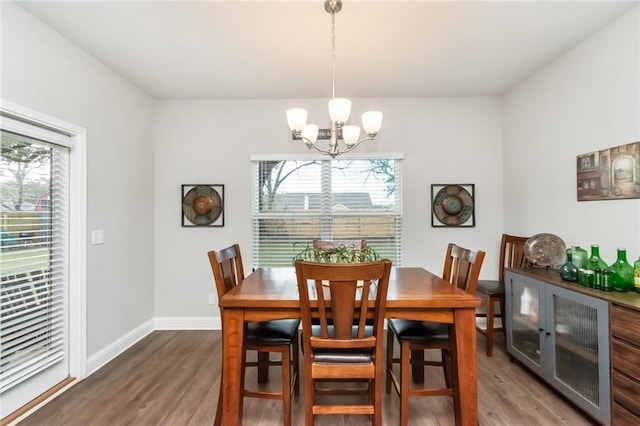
[97,237]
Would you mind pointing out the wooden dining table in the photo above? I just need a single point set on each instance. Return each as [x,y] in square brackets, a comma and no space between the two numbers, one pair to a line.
[414,293]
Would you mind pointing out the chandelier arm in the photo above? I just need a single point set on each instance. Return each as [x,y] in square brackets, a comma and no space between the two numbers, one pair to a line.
[334,154]
[310,145]
[352,147]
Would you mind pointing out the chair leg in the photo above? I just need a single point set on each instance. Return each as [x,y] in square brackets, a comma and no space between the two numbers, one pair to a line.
[263,367]
[309,396]
[242,377]
[405,367]
[417,366]
[452,367]
[377,401]
[286,386]
[489,334]
[390,339]
[218,419]
[295,348]
[504,324]
[446,367]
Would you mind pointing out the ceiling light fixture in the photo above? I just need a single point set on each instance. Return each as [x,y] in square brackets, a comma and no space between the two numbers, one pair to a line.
[339,110]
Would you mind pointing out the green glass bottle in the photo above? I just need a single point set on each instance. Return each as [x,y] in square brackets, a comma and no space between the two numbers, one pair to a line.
[595,261]
[606,283]
[621,272]
[579,256]
[569,271]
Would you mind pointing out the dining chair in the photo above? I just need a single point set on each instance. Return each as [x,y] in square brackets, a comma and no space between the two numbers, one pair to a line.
[279,336]
[337,351]
[462,269]
[492,291]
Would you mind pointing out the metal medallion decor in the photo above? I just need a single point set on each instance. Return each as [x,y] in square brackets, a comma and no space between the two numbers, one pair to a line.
[202,205]
[452,205]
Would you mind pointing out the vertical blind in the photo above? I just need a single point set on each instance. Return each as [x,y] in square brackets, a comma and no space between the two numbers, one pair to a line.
[295,201]
[34,214]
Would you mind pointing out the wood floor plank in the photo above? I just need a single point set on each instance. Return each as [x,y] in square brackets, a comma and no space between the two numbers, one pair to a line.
[172,378]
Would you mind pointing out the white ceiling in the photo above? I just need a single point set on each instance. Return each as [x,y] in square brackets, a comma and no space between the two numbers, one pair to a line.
[281,49]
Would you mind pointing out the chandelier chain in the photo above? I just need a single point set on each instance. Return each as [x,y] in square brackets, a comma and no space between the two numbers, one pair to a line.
[333,53]
[339,110]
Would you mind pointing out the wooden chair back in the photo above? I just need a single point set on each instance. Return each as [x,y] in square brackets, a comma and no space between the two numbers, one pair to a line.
[226,265]
[462,267]
[342,292]
[511,254]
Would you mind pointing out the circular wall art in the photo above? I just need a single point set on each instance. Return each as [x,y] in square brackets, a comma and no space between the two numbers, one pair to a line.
[202,205]
[452,205]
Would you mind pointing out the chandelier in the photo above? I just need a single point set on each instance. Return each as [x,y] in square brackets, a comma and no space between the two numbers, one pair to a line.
[339,110]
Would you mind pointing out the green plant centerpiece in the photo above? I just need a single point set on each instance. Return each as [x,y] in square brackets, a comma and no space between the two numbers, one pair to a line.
[340,254]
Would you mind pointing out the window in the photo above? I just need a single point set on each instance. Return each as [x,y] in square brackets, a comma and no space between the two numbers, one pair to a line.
[297,200]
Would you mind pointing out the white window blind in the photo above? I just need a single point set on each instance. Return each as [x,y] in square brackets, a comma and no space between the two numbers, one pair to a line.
[297,200]
[34,265]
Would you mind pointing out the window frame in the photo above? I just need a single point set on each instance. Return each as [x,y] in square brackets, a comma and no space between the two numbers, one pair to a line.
[256,216]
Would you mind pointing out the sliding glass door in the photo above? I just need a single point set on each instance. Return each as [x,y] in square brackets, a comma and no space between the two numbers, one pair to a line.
[34,263]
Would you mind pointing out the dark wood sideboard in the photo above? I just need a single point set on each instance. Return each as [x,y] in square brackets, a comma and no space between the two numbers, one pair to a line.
[623,339]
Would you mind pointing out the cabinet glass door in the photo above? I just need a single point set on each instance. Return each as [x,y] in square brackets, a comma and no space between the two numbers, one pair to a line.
[576,347]
[563,336]
[526,316]
[580,349]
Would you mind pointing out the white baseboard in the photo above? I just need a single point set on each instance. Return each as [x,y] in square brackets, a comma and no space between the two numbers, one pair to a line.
[97,360]
[187,323]
[100,358]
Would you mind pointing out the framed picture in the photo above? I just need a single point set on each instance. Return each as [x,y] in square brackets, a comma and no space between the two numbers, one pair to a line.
[609,174]
[452,205]
[202,205]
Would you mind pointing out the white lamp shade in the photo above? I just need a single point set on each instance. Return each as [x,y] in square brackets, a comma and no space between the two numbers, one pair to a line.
[339,110]
[350,134]
[310,132]
[297,118]
[372,121]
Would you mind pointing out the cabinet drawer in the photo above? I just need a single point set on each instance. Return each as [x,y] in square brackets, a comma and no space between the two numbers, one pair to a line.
[624,357]
[622,417]
[626,392]
[625,323]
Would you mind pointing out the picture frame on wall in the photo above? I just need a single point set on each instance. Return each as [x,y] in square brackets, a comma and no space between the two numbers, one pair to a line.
[202,205]
[609,174]
[453,205]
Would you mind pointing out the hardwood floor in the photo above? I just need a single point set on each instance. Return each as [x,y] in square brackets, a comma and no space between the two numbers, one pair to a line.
[172,378]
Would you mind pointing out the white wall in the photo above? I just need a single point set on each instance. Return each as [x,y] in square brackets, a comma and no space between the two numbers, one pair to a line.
[587,100]
[44,72]
[447,140]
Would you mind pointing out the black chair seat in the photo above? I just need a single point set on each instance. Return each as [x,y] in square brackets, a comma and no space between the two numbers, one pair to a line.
[490,287]
[277,332]
[419,331]
[337,356]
